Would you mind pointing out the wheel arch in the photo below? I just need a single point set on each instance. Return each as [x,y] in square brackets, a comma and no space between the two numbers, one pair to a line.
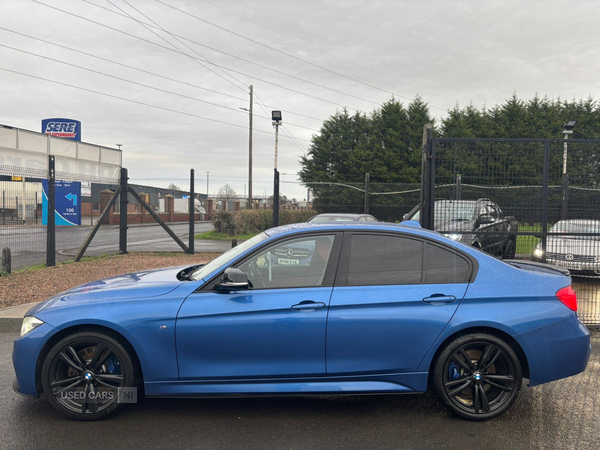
[79,328]
[486,330]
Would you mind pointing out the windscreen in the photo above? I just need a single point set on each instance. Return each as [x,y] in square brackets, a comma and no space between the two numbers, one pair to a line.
[565,227]
[454,211]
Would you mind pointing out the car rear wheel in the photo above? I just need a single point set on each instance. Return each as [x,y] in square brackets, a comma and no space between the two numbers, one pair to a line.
[85,375]
[477,377]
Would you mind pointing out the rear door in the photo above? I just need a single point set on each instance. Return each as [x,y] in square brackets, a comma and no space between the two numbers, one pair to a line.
[394,295]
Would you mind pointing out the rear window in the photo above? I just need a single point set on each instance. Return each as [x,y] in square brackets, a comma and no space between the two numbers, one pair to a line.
[444,266]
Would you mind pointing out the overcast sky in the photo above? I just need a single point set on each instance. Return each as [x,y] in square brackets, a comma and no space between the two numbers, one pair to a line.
[308,58]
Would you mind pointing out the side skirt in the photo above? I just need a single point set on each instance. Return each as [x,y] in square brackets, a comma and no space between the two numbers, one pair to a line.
[354,385]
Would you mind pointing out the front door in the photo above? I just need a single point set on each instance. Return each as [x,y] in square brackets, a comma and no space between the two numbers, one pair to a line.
[276,328]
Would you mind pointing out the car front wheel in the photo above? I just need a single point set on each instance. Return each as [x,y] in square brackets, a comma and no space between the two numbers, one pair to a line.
[86,375]
[477,377]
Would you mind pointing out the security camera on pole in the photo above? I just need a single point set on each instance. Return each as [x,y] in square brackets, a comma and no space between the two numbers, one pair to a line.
[276,116]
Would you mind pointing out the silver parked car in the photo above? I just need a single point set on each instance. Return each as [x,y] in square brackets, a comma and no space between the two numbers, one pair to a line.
[340,217]
[574,252]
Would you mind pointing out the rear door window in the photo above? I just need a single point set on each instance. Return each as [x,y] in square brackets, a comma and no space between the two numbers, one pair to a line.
[383,259]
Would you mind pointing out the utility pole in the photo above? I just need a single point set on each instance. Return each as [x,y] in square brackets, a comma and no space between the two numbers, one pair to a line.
[250,153]
[249,148]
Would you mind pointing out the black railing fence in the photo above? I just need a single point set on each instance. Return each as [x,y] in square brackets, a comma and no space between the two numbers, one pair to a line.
[514,198]
[534,199]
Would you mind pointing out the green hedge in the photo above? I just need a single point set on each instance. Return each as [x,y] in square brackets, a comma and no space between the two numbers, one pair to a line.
[249,221]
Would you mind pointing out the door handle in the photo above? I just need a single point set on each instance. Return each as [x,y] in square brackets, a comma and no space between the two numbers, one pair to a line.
[440,298]
[308,305]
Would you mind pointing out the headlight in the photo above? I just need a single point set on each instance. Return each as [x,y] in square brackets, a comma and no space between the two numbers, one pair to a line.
[30,323]
[538,252]
[453,236]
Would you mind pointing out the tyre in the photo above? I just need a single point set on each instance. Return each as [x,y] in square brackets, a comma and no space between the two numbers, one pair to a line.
[84,374]
[510,249]
[477,377]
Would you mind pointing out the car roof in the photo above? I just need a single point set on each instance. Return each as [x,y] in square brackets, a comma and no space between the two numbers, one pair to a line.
[580,221]
[348,226]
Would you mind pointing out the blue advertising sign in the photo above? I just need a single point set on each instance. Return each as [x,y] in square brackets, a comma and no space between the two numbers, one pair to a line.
[64,128]
[67,203]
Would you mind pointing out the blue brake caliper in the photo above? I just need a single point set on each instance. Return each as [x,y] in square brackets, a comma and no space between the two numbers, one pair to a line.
[113,366]
[453,374]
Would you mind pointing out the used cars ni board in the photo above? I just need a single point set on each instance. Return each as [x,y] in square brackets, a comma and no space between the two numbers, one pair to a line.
[398,308]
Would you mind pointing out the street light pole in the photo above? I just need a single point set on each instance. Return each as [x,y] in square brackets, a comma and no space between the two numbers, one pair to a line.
[276,117]
[564,207]
[276,143]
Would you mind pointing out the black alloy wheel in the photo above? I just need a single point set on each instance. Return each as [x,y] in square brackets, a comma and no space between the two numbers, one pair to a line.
[477,377]
[84,375]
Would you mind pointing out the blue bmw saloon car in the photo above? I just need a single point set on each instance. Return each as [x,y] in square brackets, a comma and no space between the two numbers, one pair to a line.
[316,309]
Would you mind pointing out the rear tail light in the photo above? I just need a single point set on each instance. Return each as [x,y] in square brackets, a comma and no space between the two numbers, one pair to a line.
[568,296]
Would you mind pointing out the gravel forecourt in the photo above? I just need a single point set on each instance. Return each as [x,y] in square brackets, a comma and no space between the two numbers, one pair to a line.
[37,285]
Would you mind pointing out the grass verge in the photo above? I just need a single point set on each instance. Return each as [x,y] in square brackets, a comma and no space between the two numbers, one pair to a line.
[61,263]
[526,244]
[215,235]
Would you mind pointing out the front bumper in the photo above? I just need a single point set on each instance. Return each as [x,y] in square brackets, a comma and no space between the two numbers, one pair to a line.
[573,266]
[26,352]
[559,350]
[576,266]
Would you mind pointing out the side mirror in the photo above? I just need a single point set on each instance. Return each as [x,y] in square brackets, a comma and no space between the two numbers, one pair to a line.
[485,218]
[405,217]
[233,280]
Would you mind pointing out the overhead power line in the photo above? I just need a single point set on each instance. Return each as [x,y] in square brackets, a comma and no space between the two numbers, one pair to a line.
[174,46]
[185,83]
[127,16]
[323,51]
[262,105]
[180,52]
[135,101]
[179,40]
[237,110]
[285,53]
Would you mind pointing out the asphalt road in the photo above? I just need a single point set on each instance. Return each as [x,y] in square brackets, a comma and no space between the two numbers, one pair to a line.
[28,243]
[561,415]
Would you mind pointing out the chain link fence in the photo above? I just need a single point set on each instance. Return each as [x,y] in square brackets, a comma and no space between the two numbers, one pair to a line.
[527,199]
[532,210]
[21,227]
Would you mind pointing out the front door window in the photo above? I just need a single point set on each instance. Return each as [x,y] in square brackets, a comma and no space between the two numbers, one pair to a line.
[298,262]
